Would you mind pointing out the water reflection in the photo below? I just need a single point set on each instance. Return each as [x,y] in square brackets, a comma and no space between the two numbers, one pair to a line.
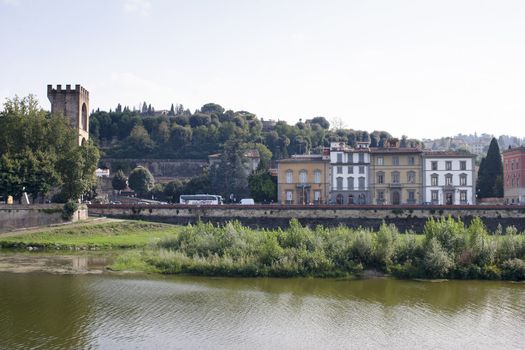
[48,311]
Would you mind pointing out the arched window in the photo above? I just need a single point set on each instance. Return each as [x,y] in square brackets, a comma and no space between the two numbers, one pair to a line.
[339,199]
[289,176]
[84,125]
[303,176]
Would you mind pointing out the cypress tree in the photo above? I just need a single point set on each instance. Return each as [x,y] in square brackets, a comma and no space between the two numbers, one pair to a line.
[490,175]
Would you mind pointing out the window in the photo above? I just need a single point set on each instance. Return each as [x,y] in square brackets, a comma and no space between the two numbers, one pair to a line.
[512,165]
[395,177]
[434,196]
[448,180]
[434,180]
[350,183]
[463,180]
[380,196]
[317,176]
[339,169]
[339,183]
[411,177]
[317,196]
[463,197]
[339,157]
[361,183]
[350,169]
[411,196]
[289,197]
[350,158]
[448,165]
[395,160]
[462,165]
[380,161]
[361,157]
[434,165]
[289,177]
[380,178]
[361,169]
[411,160]
[303,175]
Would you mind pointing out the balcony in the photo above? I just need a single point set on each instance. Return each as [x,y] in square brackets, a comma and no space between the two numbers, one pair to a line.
[395,185]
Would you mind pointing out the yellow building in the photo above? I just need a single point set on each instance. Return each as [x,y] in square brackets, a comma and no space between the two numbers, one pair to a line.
[396,174]
[304,179]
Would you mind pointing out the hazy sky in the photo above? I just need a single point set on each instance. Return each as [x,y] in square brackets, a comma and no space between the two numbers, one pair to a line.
[420,68]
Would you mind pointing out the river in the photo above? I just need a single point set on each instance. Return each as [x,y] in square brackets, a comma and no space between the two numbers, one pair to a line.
[105,311]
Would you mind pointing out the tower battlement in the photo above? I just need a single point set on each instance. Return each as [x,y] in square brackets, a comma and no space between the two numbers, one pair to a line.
[72,103]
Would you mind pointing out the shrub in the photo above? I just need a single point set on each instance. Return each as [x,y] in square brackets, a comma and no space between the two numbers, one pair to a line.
[69,210]
[436,262]
[513,269]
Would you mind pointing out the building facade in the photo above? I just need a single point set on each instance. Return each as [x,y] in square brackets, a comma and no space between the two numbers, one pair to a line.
[304,179]
[514,175]
[449,178]
[395,174]
[349,176]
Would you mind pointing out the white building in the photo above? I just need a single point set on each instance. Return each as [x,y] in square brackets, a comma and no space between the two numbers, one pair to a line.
[349,173]
[449,178]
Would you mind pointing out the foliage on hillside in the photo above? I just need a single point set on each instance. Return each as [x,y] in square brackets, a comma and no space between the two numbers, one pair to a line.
[181,134]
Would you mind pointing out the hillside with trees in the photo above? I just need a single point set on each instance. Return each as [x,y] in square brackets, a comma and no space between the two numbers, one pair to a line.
[179,133]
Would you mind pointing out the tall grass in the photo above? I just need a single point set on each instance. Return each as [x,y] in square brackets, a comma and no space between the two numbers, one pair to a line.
[447,249]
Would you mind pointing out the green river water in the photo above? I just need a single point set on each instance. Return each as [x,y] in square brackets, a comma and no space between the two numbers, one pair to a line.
[106,311]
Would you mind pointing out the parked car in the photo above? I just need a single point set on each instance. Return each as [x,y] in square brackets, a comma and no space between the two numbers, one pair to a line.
[247,201]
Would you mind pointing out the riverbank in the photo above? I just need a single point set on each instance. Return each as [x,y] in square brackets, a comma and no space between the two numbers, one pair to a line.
[447,249]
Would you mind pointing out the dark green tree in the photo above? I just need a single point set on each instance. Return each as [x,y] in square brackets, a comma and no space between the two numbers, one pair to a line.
[119,181]
[141,181]
[263,187]
[230,176]
[490,175]
[171,113]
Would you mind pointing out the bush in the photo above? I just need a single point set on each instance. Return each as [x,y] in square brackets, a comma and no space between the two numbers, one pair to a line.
[436,262]
[513,269]
[69,210]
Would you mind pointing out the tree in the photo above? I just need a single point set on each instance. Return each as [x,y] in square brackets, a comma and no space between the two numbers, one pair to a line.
[171,113]
[40,151]
[230,175]
[141,181]
[263,187]
[212,108]
[320,121]
[490,174]
[119,181]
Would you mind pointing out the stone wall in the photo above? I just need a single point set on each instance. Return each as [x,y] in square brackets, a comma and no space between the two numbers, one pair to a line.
[273,216]
[160,168]
[26,216]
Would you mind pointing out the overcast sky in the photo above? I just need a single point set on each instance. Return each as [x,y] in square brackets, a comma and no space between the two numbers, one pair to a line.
[420,68]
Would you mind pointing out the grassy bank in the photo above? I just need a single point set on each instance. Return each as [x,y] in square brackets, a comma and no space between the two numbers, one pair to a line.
[447,249]
[113,235]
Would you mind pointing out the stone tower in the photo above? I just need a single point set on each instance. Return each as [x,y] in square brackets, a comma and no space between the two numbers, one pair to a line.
[74,105]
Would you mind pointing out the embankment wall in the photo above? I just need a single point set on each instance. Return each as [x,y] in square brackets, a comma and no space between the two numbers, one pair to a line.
[273,216]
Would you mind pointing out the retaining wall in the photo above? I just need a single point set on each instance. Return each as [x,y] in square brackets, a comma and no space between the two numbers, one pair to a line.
[273,216]
[26,216]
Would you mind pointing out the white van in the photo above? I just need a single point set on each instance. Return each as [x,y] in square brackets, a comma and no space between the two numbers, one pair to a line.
[247,201]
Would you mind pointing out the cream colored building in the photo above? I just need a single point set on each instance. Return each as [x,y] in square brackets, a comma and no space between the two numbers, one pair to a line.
[304,179]
[396,174]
